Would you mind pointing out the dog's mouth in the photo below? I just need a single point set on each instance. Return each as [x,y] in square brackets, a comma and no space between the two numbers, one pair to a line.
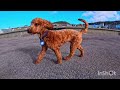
[28,31]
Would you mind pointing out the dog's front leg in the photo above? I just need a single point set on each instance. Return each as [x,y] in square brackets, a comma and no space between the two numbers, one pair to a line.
[41,54]
[59,56]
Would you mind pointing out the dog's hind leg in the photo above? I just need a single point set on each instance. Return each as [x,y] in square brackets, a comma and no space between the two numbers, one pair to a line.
[41,55]
[80,48]
[73,47]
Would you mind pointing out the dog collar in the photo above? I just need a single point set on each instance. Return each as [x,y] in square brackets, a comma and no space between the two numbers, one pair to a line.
[42,42]
[43,36]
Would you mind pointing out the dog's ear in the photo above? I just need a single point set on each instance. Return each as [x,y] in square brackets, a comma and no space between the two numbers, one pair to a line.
[41,29]
[48,25]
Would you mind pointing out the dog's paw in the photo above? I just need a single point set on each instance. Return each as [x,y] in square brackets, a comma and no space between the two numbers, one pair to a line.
[66,58]
[59,62]
[81,55]
[37,62]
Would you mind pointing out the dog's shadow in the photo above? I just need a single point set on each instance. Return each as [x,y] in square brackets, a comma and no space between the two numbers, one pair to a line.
[33,52]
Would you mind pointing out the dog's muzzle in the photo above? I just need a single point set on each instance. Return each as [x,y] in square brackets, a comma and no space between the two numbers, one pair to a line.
[28,31]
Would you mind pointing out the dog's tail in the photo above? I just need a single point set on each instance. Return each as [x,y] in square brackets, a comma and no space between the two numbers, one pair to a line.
[86,26]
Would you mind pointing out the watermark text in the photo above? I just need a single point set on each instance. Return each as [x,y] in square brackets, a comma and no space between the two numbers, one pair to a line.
[107,73]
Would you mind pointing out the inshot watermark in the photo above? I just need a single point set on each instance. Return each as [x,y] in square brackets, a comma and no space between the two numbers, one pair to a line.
[107,73]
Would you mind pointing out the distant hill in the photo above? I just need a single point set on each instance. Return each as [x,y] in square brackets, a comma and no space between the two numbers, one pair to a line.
[61,22]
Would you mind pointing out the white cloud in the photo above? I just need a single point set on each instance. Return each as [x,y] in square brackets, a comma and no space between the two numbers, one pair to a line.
[101,15]
[88,13]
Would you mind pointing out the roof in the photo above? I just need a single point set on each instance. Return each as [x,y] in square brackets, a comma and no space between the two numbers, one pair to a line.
[105,22]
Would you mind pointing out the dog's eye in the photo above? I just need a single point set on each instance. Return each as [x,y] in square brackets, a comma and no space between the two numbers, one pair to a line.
[36,24]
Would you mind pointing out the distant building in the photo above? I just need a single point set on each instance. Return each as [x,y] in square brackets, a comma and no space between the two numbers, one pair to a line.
[19,28]
[15,29]
[61,24]
[1,31]
[74,25]
[118,26]
[106,24]
[79,25]
[5,30]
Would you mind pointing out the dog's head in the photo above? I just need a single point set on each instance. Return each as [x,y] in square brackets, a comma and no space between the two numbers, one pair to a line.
[38,25]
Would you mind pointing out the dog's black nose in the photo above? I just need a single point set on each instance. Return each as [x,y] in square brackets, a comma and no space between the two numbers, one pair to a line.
[28,31]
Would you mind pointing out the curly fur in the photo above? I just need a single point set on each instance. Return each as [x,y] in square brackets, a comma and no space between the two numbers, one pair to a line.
[55,39]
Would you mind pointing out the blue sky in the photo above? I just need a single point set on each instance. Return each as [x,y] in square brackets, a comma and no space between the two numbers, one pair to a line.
[11,19]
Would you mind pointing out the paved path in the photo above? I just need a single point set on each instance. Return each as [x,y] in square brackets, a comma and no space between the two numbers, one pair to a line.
[102,53]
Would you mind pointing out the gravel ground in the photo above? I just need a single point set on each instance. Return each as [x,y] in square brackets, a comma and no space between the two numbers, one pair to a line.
[101,59]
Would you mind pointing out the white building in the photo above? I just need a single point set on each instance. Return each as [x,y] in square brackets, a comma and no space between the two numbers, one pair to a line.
[118,26]
[1,31]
